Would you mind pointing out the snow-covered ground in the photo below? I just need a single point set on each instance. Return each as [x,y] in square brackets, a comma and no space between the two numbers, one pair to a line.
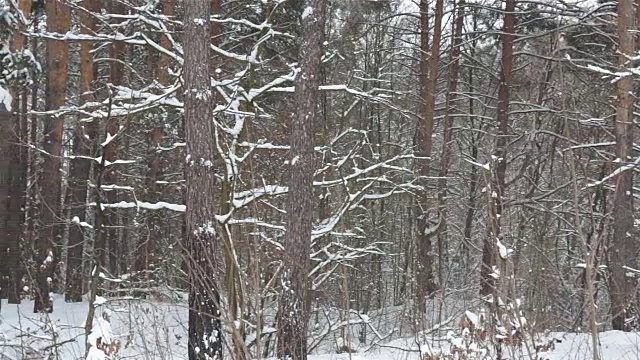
[157,330]
[146,330]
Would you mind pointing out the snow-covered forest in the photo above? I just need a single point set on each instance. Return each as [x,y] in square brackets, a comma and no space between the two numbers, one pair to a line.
[322,179]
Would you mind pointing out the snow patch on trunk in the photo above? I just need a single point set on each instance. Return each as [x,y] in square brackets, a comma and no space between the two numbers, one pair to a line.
[5,98]
[308,11]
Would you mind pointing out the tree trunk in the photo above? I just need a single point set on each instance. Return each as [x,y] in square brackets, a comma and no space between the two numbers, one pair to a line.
[164,61]
[294,308]
[623,250]
[454,68]
[147,255]
[490,256]
[13,181]
[84,144]
[473,179]
[15,202]
[10,213]
[427,225]
[205,333]
[115,255]
[31,137]
[50,182]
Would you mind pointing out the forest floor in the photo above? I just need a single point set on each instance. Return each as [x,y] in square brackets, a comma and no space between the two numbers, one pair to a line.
[157,330]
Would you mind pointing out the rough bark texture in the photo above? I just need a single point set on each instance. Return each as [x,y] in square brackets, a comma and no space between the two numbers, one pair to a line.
[84,139]
[14,203]
[11,214]
[490,256]
[623,251]
[19,39]
[294,309]
[428,219]
[50,182]
[13,182]
[205,333]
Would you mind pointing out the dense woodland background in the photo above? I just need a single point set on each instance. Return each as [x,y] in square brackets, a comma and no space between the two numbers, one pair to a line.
[394,160]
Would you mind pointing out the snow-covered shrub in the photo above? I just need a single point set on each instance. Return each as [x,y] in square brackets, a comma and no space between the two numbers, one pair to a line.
[506,336]
[101,342]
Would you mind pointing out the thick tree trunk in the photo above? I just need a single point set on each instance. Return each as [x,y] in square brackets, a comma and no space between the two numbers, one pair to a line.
[205,333]
[295,302]
[13,182]
[9,220]
[50,181]
[429,220]
[490,256]
[623,251]
[14,201]
[84,144]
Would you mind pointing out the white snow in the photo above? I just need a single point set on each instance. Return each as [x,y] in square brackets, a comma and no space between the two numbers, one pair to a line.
[142,319]
[96,354]
[475,319]
[307,12]
[144,205]
[504,252]
[76,220]
[99,300]
[5,98]
[108,139]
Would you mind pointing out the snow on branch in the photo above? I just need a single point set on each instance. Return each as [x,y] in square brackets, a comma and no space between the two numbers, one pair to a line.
[617,171]
[96,159]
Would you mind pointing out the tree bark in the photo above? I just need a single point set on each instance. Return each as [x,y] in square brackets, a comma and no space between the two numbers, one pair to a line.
[205,333]
[84,144]
[623,250]
[164,61]
[50,182]
[13,181]
[31,137]
[427,225]
[452,88]
[490,256]
[10,208]
[116,253]
[147,256]
[295,302]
